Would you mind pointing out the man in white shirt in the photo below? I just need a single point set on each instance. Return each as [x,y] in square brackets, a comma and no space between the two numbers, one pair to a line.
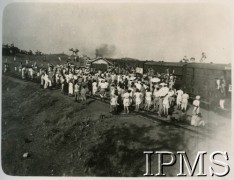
[179,98]
[184,102]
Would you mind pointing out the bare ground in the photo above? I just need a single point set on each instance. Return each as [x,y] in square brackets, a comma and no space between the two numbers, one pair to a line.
[64,138]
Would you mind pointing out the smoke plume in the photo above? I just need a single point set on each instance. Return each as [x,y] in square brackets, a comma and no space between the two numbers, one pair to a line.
[105,50]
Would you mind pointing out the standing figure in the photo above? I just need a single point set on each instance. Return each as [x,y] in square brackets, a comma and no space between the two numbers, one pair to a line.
[42,80]
[113,103]
[138,97]
[70,89]
[184,102]
[126,101]
[94,86]
[166,105]
[77,91]
[196,104]
[83,94]
[179,98]
[148,98]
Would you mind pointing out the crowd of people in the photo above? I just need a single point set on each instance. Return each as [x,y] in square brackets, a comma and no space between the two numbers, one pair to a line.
[126,90]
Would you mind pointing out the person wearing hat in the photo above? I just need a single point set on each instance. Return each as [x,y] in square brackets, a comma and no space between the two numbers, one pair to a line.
[162,84]
[196,104]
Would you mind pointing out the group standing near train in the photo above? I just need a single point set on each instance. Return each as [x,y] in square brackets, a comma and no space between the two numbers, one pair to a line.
[126,90]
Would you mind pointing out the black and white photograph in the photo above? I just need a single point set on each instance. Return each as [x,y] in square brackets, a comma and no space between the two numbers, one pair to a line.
[116,89]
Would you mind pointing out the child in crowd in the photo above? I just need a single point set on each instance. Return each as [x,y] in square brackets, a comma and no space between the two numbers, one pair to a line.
[113,103]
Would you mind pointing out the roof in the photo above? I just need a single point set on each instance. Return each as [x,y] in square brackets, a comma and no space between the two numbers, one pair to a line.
[192,65]
[161,63]
[100,61]
[209,66]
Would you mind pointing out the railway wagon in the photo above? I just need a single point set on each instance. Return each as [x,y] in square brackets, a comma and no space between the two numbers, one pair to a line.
[200,78]
[166,67]
[126,62]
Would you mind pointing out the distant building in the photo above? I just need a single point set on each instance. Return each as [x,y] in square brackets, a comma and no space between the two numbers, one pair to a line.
[100,64]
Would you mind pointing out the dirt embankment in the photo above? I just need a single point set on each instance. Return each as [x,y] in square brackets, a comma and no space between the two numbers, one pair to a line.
[59,137]
[62,137]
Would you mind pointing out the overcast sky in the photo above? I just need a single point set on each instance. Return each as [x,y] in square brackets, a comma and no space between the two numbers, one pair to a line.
[144,31]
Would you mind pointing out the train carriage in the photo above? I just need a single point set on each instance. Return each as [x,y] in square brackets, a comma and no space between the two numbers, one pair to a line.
[194,78]
[166,67]
[200,78]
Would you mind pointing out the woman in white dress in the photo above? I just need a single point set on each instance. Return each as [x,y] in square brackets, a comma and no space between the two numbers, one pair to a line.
[156,96]
[138,97]
[166,105]
[148,98]
[179,98]
[184,102]
[94,86]
[70,88]
[126,101]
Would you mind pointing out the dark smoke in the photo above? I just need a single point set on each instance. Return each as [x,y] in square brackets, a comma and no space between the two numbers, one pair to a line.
[105,50]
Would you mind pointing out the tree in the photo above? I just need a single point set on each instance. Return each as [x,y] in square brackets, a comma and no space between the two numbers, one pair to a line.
[72,50]
[76,51]
[30,52]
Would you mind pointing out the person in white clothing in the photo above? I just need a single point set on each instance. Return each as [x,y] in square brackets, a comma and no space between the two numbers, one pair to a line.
[179,98]
[196,120]
[126,101]
[77,91]
[23,72]
[138,97]
[196,104]
[103,89]
[171,98]
[184,102]
[42,79]
[94,85]
[166,105]
[113,103]
[148,98]
[70,88]
[47,81]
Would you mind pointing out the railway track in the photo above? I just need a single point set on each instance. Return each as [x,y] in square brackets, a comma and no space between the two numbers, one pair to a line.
[204,131]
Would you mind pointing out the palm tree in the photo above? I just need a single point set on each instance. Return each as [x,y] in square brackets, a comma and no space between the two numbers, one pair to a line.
[76,51]
[72,50]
